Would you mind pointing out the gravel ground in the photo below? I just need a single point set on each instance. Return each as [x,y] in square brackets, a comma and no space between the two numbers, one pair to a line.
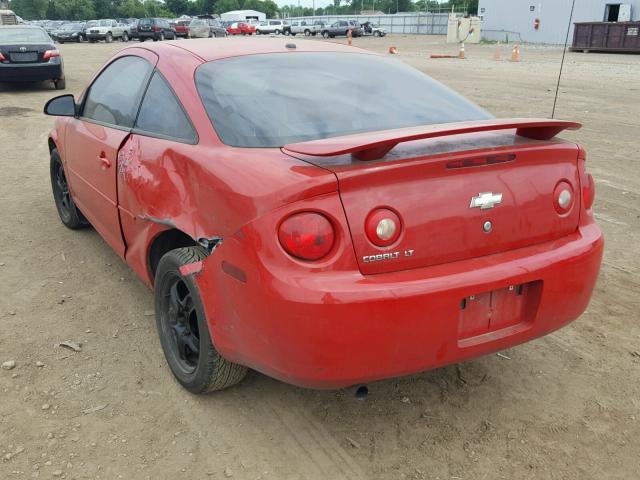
[563,407]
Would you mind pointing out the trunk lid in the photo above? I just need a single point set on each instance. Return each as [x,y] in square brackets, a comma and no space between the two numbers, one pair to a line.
[438,188]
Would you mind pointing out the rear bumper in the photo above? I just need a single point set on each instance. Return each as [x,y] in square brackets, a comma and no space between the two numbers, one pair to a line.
[336,329]
[30,72]
[148,34]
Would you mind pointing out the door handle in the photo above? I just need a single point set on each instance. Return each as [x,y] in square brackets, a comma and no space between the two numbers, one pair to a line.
[104,161]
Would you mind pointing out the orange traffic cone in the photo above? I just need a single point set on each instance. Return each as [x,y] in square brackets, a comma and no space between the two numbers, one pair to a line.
[497,55]
[393,50]
[515,53]
[350,37]
[461,53]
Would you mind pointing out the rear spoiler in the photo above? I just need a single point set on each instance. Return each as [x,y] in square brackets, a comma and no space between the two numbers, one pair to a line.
[375,145]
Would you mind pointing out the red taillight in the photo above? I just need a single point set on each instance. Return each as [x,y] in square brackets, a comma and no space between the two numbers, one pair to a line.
[307,235]
[156,29]
[2,59]
[589,192]
[50,54]
[563,197]
[383,227]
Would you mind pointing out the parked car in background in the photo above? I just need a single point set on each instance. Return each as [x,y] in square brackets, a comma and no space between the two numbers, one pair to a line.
[323,249]
[28,54]
[271,26]
[157,29]
[206,27]
[217,30]
[133,29]
[71,32]
[88,25]
[302,27]
[241,28]
[341,28]
[370,28]
[199,28]
[51,25]
[107,30]
[181,27]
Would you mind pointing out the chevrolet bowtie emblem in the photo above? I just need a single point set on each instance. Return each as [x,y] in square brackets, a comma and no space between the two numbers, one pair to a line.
[486,200]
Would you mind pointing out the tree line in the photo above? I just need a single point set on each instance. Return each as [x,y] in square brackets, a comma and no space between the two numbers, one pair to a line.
[90,9]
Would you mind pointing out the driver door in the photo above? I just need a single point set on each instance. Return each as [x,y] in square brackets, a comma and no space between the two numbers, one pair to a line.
[107,115]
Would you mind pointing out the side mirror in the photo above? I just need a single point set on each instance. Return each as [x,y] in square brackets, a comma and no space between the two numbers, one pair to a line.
[62,106]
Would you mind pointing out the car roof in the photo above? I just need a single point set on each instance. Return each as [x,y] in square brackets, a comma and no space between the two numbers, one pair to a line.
[208,50]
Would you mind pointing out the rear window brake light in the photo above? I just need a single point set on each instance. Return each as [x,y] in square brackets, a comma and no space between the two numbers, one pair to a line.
[482,161]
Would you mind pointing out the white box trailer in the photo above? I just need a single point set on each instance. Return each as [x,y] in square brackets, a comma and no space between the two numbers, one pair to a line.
[243,16]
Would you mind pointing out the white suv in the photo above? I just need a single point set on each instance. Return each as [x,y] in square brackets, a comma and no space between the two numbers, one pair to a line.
[270,26]
[303,27]
[107,30]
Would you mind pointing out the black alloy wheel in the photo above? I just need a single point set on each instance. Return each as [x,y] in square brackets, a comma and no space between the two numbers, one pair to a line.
[182,325]
[69,214]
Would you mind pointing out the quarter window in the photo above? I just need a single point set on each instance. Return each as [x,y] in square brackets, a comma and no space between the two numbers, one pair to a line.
[162,114]
[115,95]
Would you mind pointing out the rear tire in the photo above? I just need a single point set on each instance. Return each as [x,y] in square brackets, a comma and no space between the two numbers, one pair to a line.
[69,214]
[183,329]
[277,32]
[60,84]
[108,38]
[125,37]
[325,34]
[161,38]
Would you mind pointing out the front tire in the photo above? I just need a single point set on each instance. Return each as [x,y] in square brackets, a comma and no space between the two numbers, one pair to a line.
[69,214]
[108,38]
[183,329]
[161,38]
[277,32]
[125,37]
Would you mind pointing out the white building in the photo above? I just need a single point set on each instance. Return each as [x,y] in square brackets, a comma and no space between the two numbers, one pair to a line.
[243,16]
[516,20]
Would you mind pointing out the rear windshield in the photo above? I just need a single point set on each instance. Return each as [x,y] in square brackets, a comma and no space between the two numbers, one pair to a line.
[23,35]
[146,21]
[252,104]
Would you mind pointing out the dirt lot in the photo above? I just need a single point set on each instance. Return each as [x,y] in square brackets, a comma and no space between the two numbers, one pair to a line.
[564,407]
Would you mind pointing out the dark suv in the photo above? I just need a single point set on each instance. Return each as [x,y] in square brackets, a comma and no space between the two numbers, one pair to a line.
[341,28]
[155,28]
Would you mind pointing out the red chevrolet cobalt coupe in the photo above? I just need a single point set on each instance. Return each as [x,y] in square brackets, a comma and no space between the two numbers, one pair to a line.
[349,222]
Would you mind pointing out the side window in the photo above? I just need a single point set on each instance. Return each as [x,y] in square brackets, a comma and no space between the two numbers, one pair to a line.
[115,95]
[161,113]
